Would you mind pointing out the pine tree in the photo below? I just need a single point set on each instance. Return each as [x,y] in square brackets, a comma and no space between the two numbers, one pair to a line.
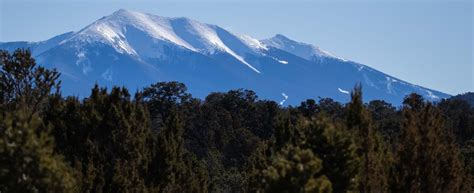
[326,140]
[386,120]
[426,158]
[21,79]
[374,173]
[28,162]
[115,136]
[163,98]
[295,170]
[176,169]
[27,159]
[336,148]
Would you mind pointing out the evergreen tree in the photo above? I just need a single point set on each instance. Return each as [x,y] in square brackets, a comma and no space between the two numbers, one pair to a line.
[27,159]
[459,118]
[386,120]
[21,79]
[163,140]
[467,151]
[176,169]
[328,141]
[295,170]
[163,98]
[374,173]
[333,109]
[336,148]
[115,137]
[426,158]
[309,108]
[229,127]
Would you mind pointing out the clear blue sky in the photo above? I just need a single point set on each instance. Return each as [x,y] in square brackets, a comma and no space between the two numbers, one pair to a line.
[429,43]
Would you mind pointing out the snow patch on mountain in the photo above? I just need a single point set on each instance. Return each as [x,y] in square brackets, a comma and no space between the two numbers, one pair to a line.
[303,50]
[431,95]
[107,75]
[285,97]
[254,43]
[210,35]
[280,61]
[343,91]
[116,39]
[368,81]
[83,62]
[389,85]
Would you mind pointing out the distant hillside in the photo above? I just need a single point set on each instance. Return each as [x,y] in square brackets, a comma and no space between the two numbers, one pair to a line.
[469,97]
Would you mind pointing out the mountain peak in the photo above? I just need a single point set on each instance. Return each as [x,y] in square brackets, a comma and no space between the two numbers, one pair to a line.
[281,37]
[121,11]
[304,50]
[123,29]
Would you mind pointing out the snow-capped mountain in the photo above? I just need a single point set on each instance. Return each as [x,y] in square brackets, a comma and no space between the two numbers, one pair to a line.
[145,36]
[303,50]
[136,49]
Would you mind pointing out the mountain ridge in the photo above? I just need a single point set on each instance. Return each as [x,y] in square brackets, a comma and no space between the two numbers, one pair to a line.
[136,49]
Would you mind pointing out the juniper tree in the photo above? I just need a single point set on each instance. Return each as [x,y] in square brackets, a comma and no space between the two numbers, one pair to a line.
[28,162]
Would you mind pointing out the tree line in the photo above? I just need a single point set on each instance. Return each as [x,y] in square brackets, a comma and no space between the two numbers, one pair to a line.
[162,139]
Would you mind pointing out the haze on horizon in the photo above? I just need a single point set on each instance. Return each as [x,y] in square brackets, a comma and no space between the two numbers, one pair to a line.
[429,43]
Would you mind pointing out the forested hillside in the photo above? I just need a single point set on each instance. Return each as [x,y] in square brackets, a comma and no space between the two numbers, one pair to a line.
[468,97]
[161,139]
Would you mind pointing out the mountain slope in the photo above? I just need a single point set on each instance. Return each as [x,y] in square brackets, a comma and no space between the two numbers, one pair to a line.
[303,50]
[136,49]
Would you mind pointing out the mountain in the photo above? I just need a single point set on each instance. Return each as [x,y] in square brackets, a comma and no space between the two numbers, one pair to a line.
[136,49]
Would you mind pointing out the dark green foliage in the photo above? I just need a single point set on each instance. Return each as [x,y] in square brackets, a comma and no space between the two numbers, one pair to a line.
[120,131]
[373,153]
[175,169]
[426,159]
[28,162]
[386,119]
[328,141]
[468,97]
[295,170]
[227,132]
[163,98]
[309,108]
[459,118]
[460,121]
[115,135]
[467,151]
[164,140]
[21,79]
[333,144]
[333,108]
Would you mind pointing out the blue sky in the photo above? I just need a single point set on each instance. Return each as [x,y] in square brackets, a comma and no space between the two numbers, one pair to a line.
[429,43]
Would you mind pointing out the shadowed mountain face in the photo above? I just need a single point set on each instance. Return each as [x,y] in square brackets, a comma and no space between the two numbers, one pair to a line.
[136,49]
